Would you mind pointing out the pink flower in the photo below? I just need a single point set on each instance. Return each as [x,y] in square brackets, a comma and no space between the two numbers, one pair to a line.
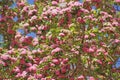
[33,29]
[2,63]
[33,18]
[76,52]
[54,3]
[57,72]
[117,0]
[77,3]
[21,4]
[63,70]
[22,61]
[25,25]
[10,31]
[54,12]
[30,57]
[13,59]
[62,34]
[23,52]
[25,8]
[34,51]
[91,78]
[31,12]
[24,74]
[56,50]
[39,75]
[80,20]
[46,67]
[56,61]
[81,78]
[10,52]
[92,35]
[65,60]
[16,70]
[18,75]
[33,68]
[43,79]
[88,0]
[5,57]
[99,61]
[29,64]
[62,76]
[85,49]
[52,64]
[116,41]
[86,36]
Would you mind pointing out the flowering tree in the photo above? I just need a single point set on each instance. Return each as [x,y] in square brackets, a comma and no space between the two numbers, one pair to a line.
[73,42]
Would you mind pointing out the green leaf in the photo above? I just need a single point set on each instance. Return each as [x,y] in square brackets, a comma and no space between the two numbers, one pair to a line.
[72,27]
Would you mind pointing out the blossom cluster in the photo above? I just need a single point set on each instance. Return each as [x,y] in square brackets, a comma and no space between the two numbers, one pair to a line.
[73,41]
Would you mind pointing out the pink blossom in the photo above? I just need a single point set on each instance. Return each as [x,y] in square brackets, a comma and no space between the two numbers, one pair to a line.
[91,50]
[63,70]
[30,57]
[24,74]
[39,75]
[5,56]
[43,79]
[54,12]
[23,52]
[61,76]
[18,36]
[21,4]
[56,50]
[35,39]
[28,64]
[33,18]
[46,67]
[77,4]
[80,20]
[10,31]
[54,3]
[10,52]
[22,61]
[56,61]
[25,8]
[65,60]
[18,75]
[88,0]
[86,36]
[33,29]
[117,1]
[81,78]
[13,59]
[99,61]
[85,49]
[31,12]
[116,41]
[34,51]
[76,52]
[62,34]
[33,68]
[57,72]
[2,63]
[91,78]
[16,70]
[92,34]
[52,64]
